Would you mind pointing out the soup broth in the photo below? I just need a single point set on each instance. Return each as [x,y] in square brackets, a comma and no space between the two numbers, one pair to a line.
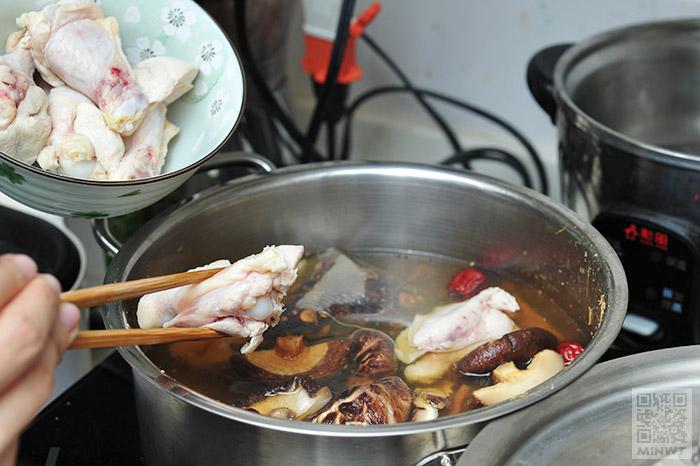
[398,286]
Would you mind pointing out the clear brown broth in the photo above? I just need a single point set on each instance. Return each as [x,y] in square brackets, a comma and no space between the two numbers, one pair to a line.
[205,366]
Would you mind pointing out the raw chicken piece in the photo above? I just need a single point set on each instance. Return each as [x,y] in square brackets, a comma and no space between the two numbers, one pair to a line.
[108,145]
[147,147]
[40,24]
[15,78]
[72,42]
[24,121]
[81,145]
[457,326]
[461,324]
[244,299]
[164,79]
[17,39]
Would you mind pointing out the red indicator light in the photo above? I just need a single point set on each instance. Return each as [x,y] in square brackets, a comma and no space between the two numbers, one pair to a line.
[661,240]
[647,236]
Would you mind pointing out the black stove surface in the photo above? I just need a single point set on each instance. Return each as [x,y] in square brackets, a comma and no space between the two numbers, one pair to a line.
[91,423]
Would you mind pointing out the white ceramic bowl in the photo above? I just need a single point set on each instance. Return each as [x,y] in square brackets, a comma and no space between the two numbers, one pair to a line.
[207,115]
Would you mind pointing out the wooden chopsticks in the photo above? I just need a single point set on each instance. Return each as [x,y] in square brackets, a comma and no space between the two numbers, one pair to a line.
[141,336]
[114,292]
[88,297]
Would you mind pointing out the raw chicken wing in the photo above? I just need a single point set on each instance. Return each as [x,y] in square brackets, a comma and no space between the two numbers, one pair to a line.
[164,79]
[81,145]
[461,324]
[244,299]
[72,42]
[24,121]
[147,147]
[39,26]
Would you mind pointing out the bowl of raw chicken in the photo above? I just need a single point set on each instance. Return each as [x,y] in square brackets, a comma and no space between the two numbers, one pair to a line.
[106,108]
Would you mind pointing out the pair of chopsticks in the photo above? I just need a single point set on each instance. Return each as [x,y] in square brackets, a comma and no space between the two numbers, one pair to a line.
[114,292]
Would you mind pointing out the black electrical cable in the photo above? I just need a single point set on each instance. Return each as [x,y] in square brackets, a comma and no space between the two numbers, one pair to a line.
[265,93]
[330,140]
[336,60]
[449,134]
[364,97]
[493,154]
[284,140]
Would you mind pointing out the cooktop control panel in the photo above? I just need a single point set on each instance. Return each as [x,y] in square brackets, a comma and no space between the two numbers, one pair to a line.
[659,264]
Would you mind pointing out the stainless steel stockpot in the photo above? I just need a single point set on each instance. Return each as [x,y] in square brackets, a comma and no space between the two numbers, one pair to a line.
[399,207]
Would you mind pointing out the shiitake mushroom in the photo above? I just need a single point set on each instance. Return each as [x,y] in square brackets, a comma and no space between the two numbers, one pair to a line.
[386,401]
[297,399]
[518,346]
[512,382]
[373,354]
[291,357]
[427,405]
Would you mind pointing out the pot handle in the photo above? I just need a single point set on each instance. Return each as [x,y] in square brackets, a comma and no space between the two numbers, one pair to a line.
[443,458]
[244,159]
[105,239]
[540,77]
[111,245]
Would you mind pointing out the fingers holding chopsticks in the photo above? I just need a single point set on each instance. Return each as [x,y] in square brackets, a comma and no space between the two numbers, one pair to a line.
[35,329]
[16,271]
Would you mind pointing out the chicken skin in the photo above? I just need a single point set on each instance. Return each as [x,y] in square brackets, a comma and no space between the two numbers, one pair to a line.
[73,43]
[24,121]
[81,144]
[244,299]
[459,325]
[147,147]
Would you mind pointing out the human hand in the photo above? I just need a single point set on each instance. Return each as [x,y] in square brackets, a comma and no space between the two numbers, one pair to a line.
[35,330]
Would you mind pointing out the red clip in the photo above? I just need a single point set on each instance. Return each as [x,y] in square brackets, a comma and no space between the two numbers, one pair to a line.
[318,51]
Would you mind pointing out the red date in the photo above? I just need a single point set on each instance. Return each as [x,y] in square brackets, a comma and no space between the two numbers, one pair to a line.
[466,282]
[569,350]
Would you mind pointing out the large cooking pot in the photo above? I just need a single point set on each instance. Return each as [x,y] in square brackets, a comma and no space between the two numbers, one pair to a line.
[628,115]
[402,207]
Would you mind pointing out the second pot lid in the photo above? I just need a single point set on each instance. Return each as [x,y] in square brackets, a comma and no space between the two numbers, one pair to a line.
[639,409]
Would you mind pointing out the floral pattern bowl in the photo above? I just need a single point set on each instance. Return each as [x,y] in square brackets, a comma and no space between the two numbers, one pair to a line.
[207,115]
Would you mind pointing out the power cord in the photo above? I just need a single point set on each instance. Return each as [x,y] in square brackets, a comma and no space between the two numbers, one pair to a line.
[493,154]
[449,134]
[364,97]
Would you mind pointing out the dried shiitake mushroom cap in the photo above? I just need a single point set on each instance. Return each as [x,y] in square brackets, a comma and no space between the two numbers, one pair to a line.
[291,357]
[297,399]
[427,405]
[373,353]
[518,346]
[386,401]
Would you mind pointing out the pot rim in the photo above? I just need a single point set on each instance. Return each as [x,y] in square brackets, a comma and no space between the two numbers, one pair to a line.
[603,338]
[582,120]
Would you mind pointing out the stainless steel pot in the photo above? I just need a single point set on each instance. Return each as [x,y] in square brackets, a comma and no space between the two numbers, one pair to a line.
[628,114]
[359,206]
[616,414]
